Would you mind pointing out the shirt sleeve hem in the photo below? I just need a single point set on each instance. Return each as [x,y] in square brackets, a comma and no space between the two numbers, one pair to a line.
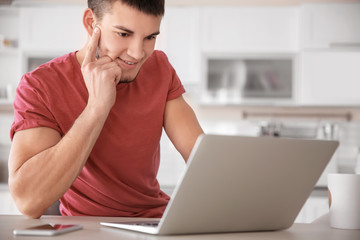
[176,93]
[28,123]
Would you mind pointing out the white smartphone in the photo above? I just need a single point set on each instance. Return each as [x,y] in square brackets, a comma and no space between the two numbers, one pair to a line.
[47,230]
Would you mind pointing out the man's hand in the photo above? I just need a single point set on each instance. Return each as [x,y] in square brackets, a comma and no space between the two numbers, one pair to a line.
[100,75]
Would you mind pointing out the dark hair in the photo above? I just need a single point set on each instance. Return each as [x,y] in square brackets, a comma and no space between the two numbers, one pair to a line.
[152,7]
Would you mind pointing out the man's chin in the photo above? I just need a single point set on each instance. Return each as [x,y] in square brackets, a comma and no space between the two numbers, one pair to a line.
[126,80]
[128,77]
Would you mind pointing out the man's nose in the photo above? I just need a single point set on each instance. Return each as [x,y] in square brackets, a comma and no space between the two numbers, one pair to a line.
[136,49]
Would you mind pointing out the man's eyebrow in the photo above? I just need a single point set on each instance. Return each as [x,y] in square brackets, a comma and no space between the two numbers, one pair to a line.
[123,29]
[154,34]
[131,32]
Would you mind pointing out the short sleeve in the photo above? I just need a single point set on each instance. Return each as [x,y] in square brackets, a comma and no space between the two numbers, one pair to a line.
[30,107]
[176,88]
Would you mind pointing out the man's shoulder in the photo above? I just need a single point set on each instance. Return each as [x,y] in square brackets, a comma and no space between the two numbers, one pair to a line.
[55,68]
[158,60]
[52,73]
[58,63]
[158,56]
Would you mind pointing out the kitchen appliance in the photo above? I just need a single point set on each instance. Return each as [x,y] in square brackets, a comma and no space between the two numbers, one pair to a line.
[233,79]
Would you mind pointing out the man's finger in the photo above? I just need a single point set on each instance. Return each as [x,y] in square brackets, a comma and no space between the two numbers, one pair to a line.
[90,54]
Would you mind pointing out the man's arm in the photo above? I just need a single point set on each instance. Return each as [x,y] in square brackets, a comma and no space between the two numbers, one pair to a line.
[181,126]
[42,165]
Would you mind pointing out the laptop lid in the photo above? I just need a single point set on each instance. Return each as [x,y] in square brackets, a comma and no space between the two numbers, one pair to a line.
[237,183]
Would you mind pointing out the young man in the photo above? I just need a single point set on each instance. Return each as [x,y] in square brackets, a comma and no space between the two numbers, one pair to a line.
[88,124]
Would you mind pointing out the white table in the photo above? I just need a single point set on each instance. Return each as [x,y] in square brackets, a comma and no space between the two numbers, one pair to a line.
[93,230]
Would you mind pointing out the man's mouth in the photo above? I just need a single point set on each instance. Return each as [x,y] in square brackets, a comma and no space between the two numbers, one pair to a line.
[127,62]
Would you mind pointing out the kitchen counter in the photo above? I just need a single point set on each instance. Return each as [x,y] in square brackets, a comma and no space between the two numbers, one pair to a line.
[93,230]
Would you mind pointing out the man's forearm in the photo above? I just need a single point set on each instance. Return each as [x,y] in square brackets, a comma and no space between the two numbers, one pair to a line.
[46,176]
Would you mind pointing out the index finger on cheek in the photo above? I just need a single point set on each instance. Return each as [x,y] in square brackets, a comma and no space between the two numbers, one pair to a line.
[90,54]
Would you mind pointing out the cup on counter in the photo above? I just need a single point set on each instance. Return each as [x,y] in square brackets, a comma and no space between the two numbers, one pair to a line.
[344,200]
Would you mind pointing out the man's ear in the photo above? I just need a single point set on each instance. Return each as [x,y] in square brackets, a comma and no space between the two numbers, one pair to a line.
[89,21]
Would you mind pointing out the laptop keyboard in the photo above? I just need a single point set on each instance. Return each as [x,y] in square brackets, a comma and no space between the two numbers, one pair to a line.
[144,223]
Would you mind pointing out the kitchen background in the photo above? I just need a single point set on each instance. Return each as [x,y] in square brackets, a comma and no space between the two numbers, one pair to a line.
[268,67]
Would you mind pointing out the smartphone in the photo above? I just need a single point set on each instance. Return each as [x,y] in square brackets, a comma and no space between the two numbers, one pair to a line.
[47,230]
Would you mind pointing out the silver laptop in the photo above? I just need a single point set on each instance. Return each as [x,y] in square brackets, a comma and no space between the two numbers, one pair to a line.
[236,183]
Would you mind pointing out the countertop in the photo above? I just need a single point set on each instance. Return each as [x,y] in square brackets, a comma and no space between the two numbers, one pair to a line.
[93,230]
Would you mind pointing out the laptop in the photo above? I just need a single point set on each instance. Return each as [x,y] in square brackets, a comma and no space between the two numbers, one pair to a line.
[240,183]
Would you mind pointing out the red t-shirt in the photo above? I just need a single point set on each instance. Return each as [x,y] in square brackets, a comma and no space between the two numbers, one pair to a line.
[119,177]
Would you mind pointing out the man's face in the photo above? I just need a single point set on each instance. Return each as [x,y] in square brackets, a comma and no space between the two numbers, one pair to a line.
[128,37]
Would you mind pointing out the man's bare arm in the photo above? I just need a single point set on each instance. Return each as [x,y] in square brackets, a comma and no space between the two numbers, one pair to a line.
[181,126]
[42,165]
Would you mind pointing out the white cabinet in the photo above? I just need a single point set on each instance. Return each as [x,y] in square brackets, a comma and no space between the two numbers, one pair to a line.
[249,29]
[180,40]
[190,33]
[52,28]
[237,43]
[330,25]
[39,31]
[9,55]
[330,78]
[330,56]
[252,79]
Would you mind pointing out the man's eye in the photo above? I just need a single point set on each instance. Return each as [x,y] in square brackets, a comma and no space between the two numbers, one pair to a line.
[151,37]
[123,34]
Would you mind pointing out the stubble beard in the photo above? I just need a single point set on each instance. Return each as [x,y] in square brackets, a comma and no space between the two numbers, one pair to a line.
[123,79]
